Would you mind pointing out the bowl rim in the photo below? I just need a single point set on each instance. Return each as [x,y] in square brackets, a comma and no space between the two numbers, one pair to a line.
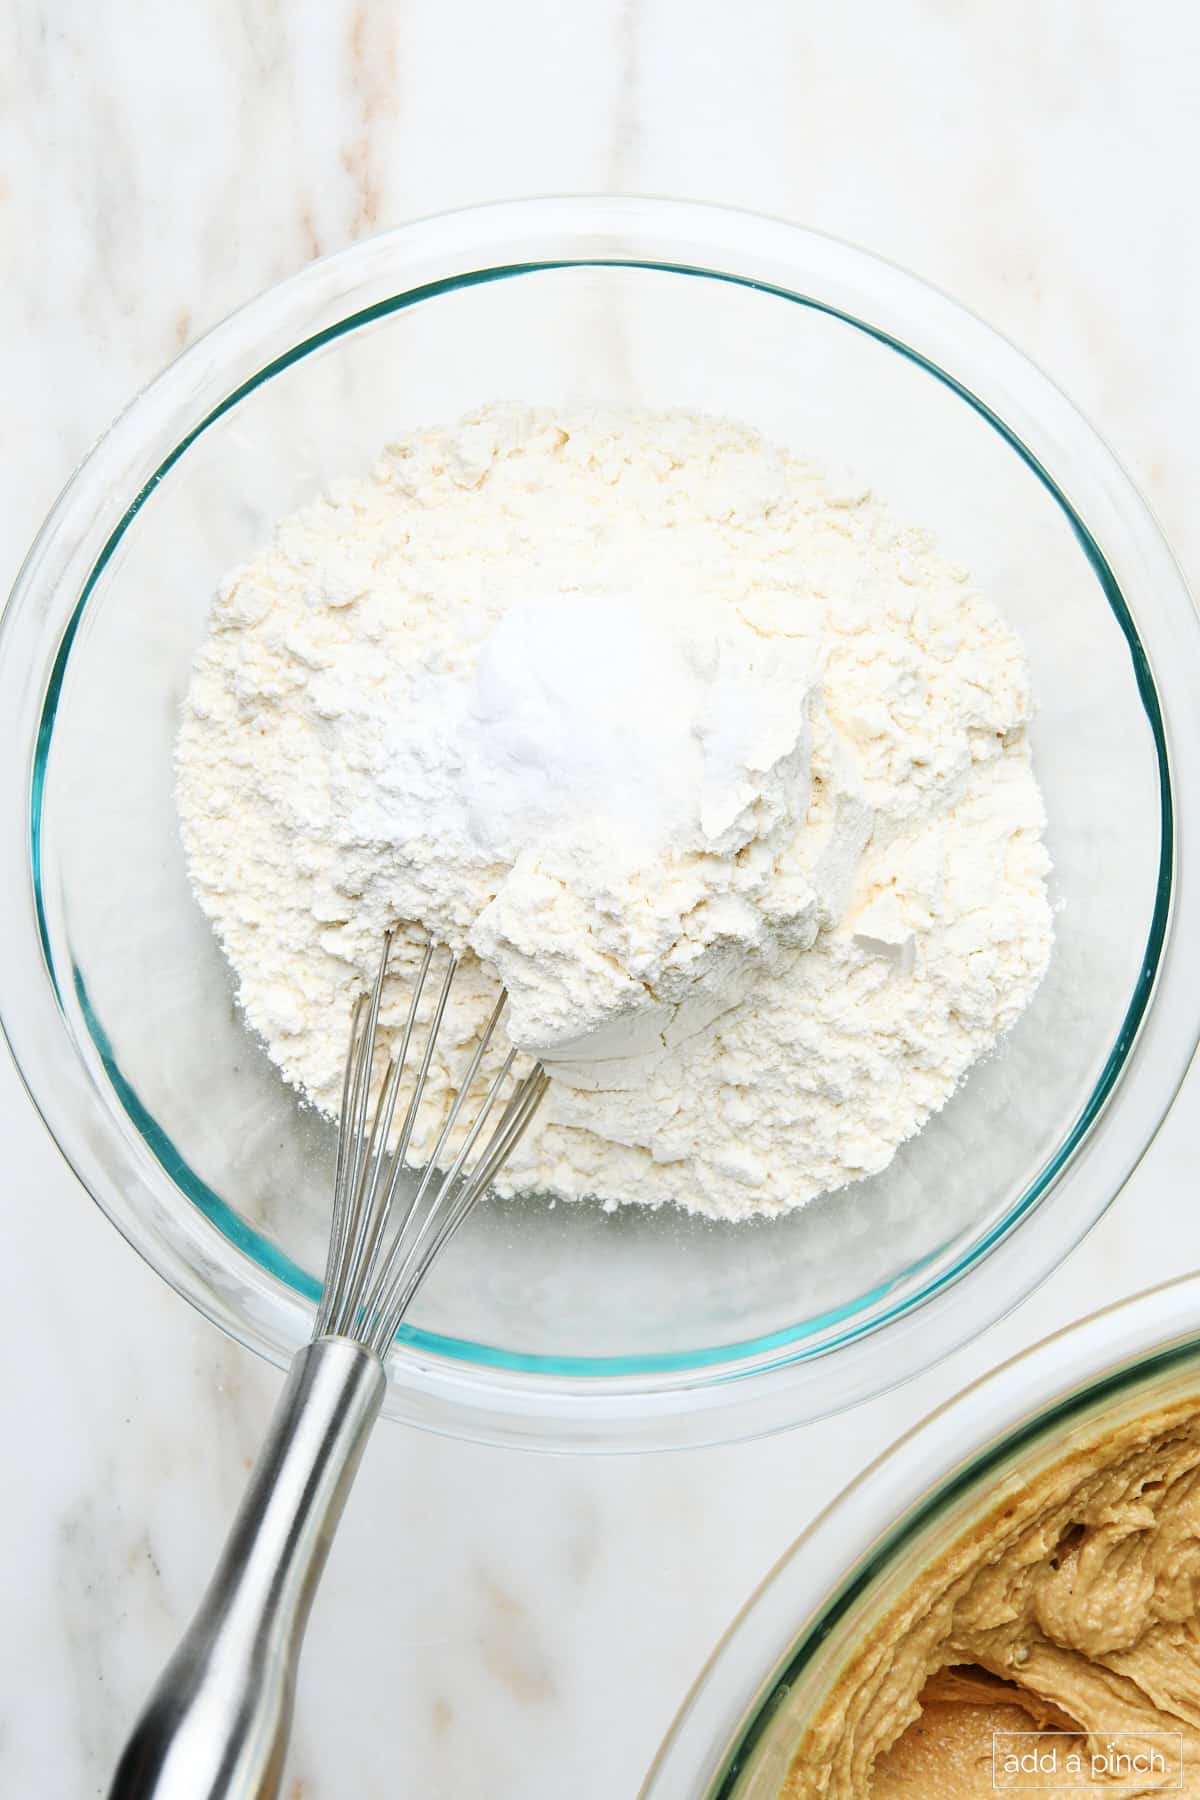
[752,1393]
[857,1536]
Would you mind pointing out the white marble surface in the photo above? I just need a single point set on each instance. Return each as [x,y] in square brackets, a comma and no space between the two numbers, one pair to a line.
[494,1624]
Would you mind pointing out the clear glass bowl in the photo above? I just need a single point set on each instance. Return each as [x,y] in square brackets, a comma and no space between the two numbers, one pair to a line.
[568,1326]
[740,1726]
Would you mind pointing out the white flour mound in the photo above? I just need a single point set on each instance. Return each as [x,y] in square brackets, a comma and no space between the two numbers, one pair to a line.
[719,769]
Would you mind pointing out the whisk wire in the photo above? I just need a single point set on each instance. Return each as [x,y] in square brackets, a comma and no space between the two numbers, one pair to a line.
[380,1252]
[358,1211]
[418,1093]
[509,1132]
[391,1279]
[371,1212]
[362,1095]
[381,1280]
[356,1093]
[337,1229]
[440,1221]
[464,1088]
[386,1191]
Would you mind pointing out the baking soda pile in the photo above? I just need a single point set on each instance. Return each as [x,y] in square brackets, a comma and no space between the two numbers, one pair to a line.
[720,770]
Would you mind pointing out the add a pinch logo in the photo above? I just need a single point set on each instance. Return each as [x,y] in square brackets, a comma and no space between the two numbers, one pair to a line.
[1125,1762]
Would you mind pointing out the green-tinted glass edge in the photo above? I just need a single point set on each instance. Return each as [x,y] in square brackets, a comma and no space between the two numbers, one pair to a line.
[245,1238]
[736,1763]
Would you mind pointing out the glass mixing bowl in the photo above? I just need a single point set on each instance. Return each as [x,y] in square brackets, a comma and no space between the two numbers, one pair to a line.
[569,1326]
[739,1728]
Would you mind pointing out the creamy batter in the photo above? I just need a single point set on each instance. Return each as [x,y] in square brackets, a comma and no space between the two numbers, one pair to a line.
[1073,1607]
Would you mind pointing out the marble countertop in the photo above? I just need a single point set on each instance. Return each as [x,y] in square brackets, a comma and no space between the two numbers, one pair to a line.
[157,167]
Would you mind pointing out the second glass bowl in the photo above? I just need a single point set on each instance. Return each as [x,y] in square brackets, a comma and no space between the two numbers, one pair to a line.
[569,1326]
[738,1731]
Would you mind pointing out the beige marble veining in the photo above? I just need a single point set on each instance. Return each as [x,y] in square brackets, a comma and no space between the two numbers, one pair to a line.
[495,1625]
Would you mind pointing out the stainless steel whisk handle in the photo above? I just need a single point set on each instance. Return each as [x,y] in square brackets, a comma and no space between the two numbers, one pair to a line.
[216,1725]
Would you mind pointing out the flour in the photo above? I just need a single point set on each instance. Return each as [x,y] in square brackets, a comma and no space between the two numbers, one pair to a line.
[718,769]
[615,799]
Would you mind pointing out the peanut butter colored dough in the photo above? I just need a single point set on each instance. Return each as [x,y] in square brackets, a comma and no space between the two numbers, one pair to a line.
[1072,1606]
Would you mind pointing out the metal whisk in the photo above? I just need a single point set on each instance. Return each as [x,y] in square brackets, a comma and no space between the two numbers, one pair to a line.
[216,1725]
